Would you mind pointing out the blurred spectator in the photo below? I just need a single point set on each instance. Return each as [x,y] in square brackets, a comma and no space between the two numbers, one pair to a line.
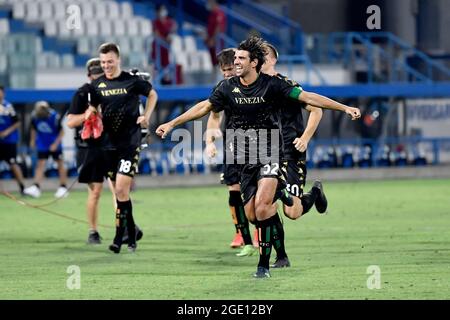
[46,136]
[373,119]
[9,136]
[164,26]
[217,23]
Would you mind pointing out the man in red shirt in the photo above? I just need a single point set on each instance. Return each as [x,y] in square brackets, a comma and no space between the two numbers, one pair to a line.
[163,27]
[217,22]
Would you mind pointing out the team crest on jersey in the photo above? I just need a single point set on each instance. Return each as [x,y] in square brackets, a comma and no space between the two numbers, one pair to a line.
[102,85]
[236,90]
[44,127]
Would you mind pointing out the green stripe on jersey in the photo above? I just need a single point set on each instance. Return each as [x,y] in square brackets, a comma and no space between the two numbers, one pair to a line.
[295,92]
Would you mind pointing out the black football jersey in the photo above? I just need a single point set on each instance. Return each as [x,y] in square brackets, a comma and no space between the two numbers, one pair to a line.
[119,100]
[254,115]
[292,123]
[79,105]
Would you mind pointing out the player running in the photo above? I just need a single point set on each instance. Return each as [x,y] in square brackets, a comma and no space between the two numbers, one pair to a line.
[251,98]
[295,140]
[231,172]
[118,93]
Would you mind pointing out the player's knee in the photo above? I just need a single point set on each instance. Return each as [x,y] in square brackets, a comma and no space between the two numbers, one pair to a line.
[264,203]
[95,190]
[251,217]
[292,213]
[262,208]
[295,211]
[41,163]
[96,193]
[122,193]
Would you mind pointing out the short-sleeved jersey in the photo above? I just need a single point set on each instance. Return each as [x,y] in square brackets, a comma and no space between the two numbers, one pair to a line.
[292,123]
[226,120]
[224,125]
[47,130]
[119,100]
[79,105]
[253,112]
[8,117]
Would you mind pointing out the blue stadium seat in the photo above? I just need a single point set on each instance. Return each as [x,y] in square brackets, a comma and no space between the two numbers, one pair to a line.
[144,163]
[325,162]
[162,165]
[365,157]
[384,161]
[332,156]
[51,173]
[72,170]
[5,172]
[401,160]
[152,164]
[200,168]
[347,159]
[180,169]
[420,161]
[144,166]
[384,157]
[419,157]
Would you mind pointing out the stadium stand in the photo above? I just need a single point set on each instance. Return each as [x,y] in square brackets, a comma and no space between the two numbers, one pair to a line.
[66,43]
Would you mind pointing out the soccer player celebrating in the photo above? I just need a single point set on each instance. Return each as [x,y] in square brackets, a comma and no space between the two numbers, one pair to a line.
[231,171]
[251,98]
[46,136]
[118,93]
[295,141]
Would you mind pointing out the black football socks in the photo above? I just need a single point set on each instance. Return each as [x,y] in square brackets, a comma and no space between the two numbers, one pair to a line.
[131,227]
[278,237]
[308,199]
[265,228]
[241,222]
[123,215]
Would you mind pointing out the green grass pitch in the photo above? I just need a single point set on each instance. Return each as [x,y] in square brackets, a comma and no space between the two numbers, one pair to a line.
[403,227]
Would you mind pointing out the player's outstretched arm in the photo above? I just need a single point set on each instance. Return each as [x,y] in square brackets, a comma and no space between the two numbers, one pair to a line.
[317,100]
[212,133]
[315,115]
[199,110]
[144,120]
